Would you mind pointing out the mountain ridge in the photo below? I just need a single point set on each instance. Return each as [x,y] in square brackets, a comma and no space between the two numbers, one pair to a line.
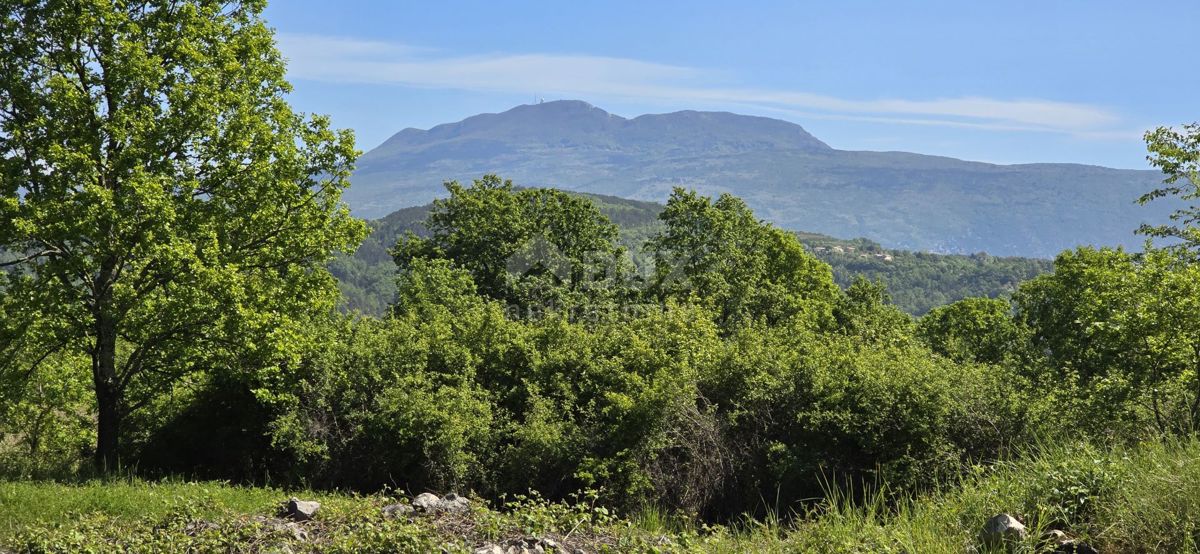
[901,199]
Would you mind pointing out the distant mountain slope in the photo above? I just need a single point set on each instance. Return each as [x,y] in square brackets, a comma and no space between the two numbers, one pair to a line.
[901,200]
[917,281]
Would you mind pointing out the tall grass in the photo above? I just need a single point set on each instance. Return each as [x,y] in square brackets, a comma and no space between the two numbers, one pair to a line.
[1138,499]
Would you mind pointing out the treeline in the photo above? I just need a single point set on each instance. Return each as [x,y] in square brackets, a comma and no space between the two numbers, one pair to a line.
[525,352]
[921,281]
[916,281]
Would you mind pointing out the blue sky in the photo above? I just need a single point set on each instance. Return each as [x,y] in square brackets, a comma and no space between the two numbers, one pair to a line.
[1005,81]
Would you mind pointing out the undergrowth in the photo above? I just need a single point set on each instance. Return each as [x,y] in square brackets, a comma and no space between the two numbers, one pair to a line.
[1141,499]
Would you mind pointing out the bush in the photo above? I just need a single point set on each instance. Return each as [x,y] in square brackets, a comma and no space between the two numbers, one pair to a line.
[46,427]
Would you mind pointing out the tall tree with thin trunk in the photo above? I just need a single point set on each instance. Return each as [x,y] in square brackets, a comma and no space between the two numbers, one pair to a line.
[162,208]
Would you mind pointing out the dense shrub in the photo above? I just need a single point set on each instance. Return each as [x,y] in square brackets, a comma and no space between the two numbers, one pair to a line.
[661,408]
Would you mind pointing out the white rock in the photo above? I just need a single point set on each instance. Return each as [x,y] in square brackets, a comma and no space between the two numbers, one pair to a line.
[426,502]
[301,510]
[1002,529]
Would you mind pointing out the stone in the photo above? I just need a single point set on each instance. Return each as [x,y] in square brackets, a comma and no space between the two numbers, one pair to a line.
[454,503]
[1055,536]
[489,549]
[1064,544]
[297,532]
[529,545]
[300,510]
[293,528]
[1002,529]
[398,509]
[430,503]
[426,502]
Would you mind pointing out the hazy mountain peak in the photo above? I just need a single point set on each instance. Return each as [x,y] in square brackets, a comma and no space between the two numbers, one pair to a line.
[578,124]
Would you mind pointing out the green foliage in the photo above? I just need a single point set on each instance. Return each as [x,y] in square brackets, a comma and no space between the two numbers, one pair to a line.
[1119,500]
[917,281]
[1116,501]
[865,312]
[736,372]
[745,270]
[166,222]
[921,281]
[534,249]
[750,375]
[169,211]
[659,408]
[1177,153]
[45,419]
[974,330]
[1068,491]
[394,398]
[201,517]
[1124,329]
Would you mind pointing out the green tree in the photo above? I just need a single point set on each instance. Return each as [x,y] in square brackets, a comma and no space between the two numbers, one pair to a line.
[718,252]
[1177,153]
[1126,327]
[166,206]
[973,330]
[865,311]
[532,248]
[1070,312]
[1165,335]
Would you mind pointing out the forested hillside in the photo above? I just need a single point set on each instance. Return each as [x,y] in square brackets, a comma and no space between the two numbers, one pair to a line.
[917,281]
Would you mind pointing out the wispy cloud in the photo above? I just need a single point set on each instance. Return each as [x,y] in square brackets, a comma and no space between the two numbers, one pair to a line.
[338,59]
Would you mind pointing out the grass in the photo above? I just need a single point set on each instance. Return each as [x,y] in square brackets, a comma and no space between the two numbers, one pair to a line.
[1144,499]
[47,502]
[1141,499]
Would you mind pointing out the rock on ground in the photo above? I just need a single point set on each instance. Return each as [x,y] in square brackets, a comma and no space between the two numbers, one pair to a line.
[430,503]
[300,510]
[398,509]
[1002,529]
[528,545]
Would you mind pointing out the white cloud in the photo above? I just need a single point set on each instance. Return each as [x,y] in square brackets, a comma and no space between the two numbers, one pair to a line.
[348,60]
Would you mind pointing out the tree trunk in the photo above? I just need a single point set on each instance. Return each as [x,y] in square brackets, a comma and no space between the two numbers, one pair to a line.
[108,394]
